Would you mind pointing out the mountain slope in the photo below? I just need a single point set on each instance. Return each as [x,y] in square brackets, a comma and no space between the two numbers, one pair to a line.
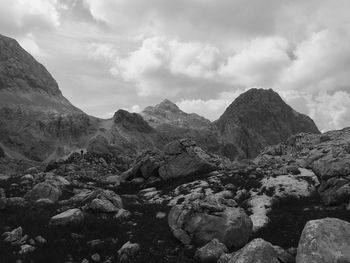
[258,118]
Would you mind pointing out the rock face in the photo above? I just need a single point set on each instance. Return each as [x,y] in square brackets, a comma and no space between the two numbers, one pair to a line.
[201,221]
[324,240]
[256,119]
[259,250]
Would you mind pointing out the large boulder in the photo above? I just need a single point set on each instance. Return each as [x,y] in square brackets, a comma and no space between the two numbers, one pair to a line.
[184,158]
[201,221]
[49,190]
[259,250]
[324,241]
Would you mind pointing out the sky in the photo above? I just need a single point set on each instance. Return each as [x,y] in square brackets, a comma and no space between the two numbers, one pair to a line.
[200,54]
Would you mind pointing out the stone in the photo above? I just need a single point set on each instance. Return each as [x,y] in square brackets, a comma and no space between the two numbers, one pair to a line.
[259,250]
[46,190]
[128,252]
[96,257]
[201,221]
[72,216]
[26,249]
[211,252]
[14,235]
[323,241]
[103,205]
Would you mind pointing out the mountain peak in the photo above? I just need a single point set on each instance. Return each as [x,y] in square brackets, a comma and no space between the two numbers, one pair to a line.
[167,104]
[258,118]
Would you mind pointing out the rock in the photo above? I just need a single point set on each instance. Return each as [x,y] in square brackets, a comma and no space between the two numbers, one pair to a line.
[211,252]
[70,217]
[259,250]
[49,189]
[184,159]
[122,214]
[28,177]
[96,257]
[13,236]
[128,252]
[323,241]
[40,240]
[160,215]
[2,152]
[201,221]
[4,177]
[25,249]
[103,205]
[32,170]
[113,179]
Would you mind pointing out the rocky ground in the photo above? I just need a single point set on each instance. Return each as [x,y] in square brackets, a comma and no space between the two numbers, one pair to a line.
[182,204]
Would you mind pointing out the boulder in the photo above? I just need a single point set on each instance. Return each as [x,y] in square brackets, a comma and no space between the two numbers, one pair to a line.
[259,250]
[211,252]
[103,205]
[184,158]
[323,241]
[49,189]
[201,221]
[128,252]
[13,236]
[70,217]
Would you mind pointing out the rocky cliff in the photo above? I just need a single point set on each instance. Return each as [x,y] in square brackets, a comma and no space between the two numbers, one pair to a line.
[258,118]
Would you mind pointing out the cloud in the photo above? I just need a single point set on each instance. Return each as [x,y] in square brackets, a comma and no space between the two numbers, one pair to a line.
[28,15]
[212,108]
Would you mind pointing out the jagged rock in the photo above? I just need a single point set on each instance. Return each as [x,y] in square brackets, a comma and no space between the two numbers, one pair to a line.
[259,250]
[211,252]
[14,236]
[70,217]
[183,158]
[323,241]
[201,221]
[128,252]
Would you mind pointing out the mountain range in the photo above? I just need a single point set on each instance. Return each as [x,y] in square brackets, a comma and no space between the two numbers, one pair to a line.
[37,122]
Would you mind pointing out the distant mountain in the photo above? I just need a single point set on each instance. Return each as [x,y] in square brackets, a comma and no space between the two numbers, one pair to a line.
[258,118]
[168,112]
[173,123]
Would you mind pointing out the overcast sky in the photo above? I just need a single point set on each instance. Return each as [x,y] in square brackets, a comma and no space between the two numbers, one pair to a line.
[201,54]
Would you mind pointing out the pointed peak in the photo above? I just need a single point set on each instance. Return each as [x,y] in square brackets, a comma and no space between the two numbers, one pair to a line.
[167,102]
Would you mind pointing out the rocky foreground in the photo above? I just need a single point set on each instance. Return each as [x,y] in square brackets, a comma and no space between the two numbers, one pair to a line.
[182,204]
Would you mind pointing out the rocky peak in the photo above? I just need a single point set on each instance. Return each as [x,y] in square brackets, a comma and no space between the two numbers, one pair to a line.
[169,113]
[26,84]
[258,118]
[131,121]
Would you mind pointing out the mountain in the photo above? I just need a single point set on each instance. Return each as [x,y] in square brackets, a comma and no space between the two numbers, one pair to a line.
[173,123]
[258,118]
[168,112]
[26,84]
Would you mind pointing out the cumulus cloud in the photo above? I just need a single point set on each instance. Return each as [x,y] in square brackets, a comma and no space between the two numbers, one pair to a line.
[28,15]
